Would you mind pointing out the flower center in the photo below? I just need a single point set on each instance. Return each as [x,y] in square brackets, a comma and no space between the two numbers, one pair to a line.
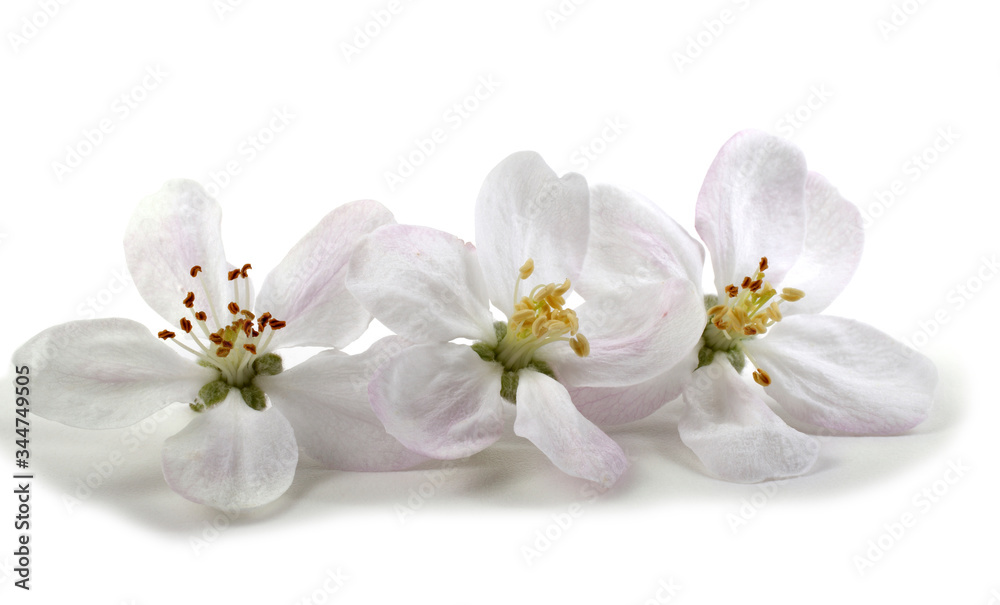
[748,311]
[234,348]
[539,319]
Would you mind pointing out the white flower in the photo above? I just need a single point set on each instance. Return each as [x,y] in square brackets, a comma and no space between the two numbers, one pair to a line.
[249,414]
[446,400]
[783,244]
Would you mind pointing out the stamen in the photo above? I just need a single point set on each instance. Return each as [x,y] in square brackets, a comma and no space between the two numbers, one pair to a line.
[761,377]
[275,324]
[234,308]
[251,348]
[189,300]
[233,274]
[201,316]
[580,345]
[732,291]
[763,264]
[527,269]
[165,334]
[746,282]
[792,294]
[186,324]
[195,270]
[243,271]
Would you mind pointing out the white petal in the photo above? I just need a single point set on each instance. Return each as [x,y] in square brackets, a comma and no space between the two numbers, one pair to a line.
[547,418]
[440,400]
[751,205]
[170,232]
[307,289]
[605,406]
[423,284]
[832,251]
[231,456]
[325,398]
[737,437]
[106,373]
[634,335]
[525,211]
[632,241]
[845,375]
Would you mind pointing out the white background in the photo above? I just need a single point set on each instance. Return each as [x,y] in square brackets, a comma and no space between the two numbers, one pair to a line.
[869,96]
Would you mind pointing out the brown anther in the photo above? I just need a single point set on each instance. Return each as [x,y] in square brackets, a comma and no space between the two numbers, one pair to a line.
[746,282]
[749,330]
[251,348]
[732,291]
[248,314]
[201,316]
[248,329]
[761,377]
[165,334]
[234,308]
[756,285]
[195,270]
[266,317]
[215,339]
[226,345]
[763,263]
[233,274]
[222,352]
[276,324]
[189,300]
[243,271]
[186,324]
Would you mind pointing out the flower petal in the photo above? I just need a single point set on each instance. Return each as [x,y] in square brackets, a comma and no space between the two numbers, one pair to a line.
[106,373]
[751,205]
[325,398]
[737,437]
[307,289]
[605,406]
[440,400]
[845,375]
[832,251]
[633,241]
[634,334]
[170,232]
[423,284]
[232,456]
[547,417]
[525,211]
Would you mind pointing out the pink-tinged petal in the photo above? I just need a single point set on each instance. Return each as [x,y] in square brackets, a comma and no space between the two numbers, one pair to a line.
[751,205]
[606,406]
[325,398]
[106,373]
[634,335]
[632,241]
[832,251]
[525,210]
[232,456]
[547,417]
[440,400]
[423,284]
[846,376]
[307,290]
[170,232]
[737,437]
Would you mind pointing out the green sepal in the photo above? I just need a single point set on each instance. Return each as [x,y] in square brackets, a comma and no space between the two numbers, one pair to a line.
[268,364]
[542,368]
[705,357]
[197,406]
[500,329]
[508,386]
[254,397]
[737,358]
[710,301]
[485,351]
[213,393]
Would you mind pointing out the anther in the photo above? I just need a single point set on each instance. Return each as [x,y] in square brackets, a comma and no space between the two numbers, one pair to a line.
[189,300]
[165,334]
[215,339]
[233,274]
[195,270]
[243,271]
[234,308]
[222,352]
[186,324]
[275,324]
[580,345]
[201,316]
[763,263]
[732,291]
[792,294]
[746,282]
[749,330]
[756,285]
[761,377]
[527,269]
[251,348]
[248,314]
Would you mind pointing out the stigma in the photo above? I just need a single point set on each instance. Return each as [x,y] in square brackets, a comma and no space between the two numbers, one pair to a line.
[539,318]
[747,311]
[232,338]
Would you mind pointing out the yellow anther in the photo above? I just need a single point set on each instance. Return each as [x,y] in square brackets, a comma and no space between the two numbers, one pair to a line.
[792,294]
[761,377]
[580,345]
[527,269]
